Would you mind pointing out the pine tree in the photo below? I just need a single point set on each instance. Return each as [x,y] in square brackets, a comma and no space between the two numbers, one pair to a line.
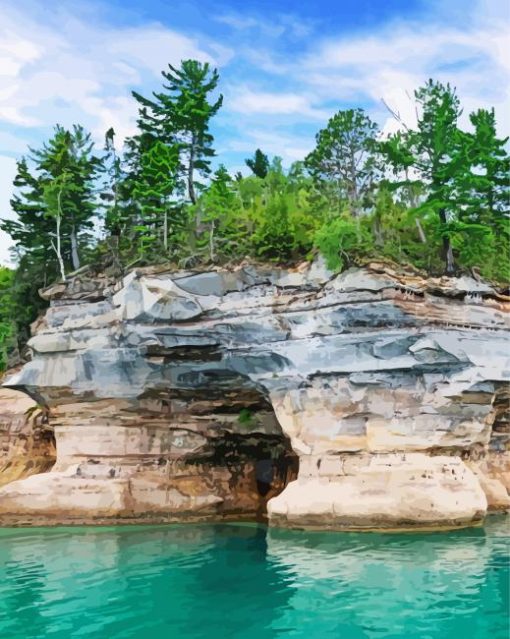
[489,174]
[68,168]
[181,115]
[434,153]
[259,164]
[31,230]
[153,190]
[55,202]
[221,229]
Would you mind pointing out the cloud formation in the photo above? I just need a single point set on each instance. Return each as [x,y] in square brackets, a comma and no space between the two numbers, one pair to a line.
[282,75]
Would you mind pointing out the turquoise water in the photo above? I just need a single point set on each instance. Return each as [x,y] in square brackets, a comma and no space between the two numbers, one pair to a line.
[222,581]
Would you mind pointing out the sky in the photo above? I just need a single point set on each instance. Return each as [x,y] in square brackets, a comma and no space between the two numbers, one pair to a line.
[286,66]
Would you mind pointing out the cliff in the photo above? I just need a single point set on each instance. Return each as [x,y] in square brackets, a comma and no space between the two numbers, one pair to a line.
[373,398]
[27,444]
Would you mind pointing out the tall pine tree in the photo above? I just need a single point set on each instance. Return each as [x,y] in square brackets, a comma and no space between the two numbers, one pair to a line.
[181,115]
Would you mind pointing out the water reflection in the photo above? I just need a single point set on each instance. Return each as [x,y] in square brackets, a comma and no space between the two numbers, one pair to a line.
[451,584]
[243,581]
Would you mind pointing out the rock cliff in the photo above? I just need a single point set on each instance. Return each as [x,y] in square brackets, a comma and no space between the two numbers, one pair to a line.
[27,444]
[373,398]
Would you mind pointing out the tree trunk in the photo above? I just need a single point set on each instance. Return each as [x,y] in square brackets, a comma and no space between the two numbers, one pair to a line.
[211,242]
[447,247]
[191,186]
[113,244]
[58,251]
[421,232]
[353,187]
[58,248]
[75,258]
[377,232]
[165,230]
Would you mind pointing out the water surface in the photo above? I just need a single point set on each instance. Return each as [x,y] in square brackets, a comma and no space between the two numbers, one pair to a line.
[243,581]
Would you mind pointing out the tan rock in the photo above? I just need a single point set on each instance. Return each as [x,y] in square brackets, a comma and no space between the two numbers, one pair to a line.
[389,491]
[26,442]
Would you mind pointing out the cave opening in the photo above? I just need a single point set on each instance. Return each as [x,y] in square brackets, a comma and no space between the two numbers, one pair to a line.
[244,438]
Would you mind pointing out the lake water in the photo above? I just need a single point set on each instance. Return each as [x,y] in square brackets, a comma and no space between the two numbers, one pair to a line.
[223,581]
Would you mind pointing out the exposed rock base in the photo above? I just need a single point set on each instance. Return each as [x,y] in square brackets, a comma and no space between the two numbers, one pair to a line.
[198,395]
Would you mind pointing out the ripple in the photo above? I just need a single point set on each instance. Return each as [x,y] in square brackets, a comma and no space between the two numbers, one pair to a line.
[245,581]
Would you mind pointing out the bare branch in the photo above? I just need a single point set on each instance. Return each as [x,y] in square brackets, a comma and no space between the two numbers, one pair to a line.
[395,114]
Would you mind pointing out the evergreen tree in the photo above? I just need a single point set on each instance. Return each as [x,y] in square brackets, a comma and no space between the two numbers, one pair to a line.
[483,199]
[7,312]
[488,196]
[259,164]
[111,188]
[68,169]
[181,115]
[221,227]
[434,152]
[31,230]
[54,205]
[153,190]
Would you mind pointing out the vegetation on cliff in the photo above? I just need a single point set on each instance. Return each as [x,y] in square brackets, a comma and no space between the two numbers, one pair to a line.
[435,196]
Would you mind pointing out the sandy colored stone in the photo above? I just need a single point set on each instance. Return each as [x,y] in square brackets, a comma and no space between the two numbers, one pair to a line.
[389,491]
[26,441]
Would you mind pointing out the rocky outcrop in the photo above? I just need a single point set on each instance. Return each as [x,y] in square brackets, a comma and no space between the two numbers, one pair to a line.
[191,395]
[27,444]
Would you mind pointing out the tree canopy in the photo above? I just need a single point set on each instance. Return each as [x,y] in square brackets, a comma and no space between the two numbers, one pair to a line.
[435,196]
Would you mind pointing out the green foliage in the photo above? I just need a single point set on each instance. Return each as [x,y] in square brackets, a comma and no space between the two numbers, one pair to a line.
[345,157]
[7,326]
[245,417]
[181,115]
[259,164]
[217,214]
[463,177]
[152,191]
[55,202]
[342,240]
[436,197]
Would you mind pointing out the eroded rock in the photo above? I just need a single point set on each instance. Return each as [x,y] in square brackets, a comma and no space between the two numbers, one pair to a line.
[27,444]
[190,395]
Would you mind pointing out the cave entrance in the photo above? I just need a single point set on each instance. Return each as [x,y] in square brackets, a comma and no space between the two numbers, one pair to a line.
[244,438]
[264,475]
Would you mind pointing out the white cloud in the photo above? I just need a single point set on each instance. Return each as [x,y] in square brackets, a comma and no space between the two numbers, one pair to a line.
[57,67]
[392,63]
[274,28]
[247,101]
[84,71]
[238,22]
[66,70]
[15,53]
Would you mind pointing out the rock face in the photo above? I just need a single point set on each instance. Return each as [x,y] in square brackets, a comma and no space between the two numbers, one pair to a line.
[27,444]
[192,395]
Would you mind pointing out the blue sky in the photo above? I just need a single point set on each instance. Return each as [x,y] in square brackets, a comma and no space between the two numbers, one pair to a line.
[286,66]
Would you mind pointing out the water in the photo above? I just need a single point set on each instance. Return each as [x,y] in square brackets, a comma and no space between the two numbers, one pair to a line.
[242,581]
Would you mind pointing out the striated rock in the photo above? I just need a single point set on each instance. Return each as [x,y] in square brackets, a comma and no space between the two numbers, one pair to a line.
[27,443]
[195,394]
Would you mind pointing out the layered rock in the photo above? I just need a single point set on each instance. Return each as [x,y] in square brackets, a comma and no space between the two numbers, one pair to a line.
[186,395]
[27,444]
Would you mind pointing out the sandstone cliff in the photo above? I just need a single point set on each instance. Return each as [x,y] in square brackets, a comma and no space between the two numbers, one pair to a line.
[367,399]
[27,444]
